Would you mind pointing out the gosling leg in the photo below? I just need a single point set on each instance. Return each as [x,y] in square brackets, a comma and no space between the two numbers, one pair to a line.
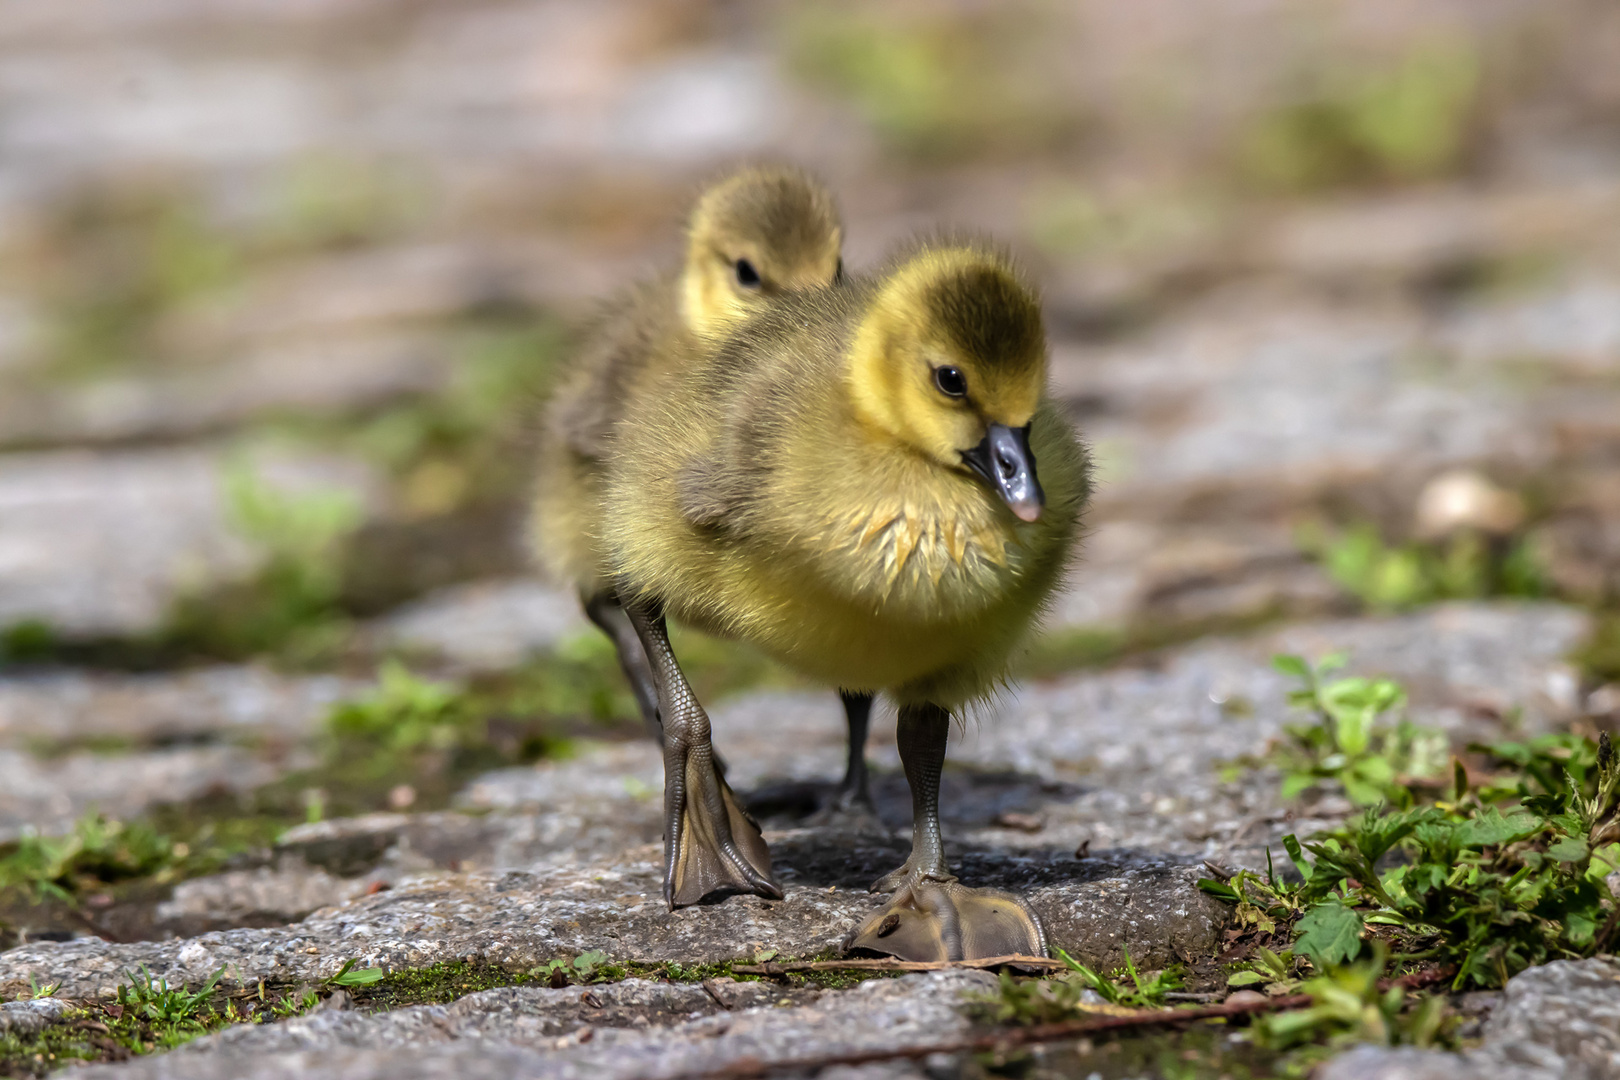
[932,915]
[711,845]
[603,609]
[855,791]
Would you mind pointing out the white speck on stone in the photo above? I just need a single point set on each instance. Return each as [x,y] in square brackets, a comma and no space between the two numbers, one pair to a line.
[195,955]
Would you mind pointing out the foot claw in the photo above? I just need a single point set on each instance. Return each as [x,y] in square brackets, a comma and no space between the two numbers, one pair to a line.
[931,919]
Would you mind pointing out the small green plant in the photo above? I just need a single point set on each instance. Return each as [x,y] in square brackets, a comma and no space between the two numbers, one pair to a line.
[113,260]
[290,605]
[935,86]
[98,851]
[1138,993]
[404,716]
[1039,1001]
[1276,972]
[176,1014]
[1490,892]
[1350,743]
[1408,121]
[1347,1006]
[350,976]
[1389,577]
[38,991]
[25,641]
[581,969]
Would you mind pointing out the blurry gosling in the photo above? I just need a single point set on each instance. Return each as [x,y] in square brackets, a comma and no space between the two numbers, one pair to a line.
[753,235]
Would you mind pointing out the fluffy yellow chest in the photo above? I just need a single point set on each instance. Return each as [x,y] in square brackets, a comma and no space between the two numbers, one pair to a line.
[917,556]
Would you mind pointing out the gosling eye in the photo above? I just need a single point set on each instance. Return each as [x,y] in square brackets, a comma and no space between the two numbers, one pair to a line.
[838,274]
[951,381]
[747,276]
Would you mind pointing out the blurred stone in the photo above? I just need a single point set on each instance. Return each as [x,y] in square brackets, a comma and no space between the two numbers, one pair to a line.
[228,702]
[1574,329]
[1604,701]
[48,796]
[484,626]
[333,375]
[104,543]
[283,894]
[1421,235]
[1463,499]
[23,1019]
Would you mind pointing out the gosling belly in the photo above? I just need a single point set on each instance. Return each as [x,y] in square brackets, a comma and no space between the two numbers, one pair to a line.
[860,646]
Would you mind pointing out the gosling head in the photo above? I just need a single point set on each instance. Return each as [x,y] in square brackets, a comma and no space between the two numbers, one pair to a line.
[950,359]
[760,232]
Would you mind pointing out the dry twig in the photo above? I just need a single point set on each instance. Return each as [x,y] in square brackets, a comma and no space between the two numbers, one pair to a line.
[1002,1041]
[889,963]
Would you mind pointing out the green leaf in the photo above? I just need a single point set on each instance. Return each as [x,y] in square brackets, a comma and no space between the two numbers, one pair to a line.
[1246,978]
[1218,889]
[1605,861]
[1278,965]
[348,975]
[1289,664]
[1296,782]
[1329,933]
[1579,928]
[1291,845]
[1490,828]
[1569,849]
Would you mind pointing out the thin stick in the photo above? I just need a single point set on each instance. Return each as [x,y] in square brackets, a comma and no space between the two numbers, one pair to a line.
[889,963]
[1039,1033]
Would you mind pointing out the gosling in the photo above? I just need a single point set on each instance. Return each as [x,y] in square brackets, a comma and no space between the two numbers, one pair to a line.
[849,482]
[754,235]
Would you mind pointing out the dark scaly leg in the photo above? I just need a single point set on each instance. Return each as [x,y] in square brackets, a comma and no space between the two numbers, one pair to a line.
[711,845]
[855,791]
[932,915]
[603,609]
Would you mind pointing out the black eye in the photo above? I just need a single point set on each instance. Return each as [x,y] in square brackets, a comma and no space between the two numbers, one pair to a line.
[838,274]
[747,276]
[950,381]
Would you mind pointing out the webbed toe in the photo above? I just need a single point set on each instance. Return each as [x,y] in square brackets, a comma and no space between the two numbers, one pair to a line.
[718,849]
[930,919]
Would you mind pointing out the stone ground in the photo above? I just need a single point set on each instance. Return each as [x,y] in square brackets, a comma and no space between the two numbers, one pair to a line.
[1246,370]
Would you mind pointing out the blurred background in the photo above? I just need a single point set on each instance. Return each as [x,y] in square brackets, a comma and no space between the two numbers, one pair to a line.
[1333,290]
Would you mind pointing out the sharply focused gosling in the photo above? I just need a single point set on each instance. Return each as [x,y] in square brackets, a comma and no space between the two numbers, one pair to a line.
[757,234]
[869,483]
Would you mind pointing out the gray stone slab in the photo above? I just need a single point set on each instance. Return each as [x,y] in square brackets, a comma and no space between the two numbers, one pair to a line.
[48,796]
[1125,758]
[519,919]
[334,375]
[1572,328]
[103,543]
[223,703]
[508,1033]
[25,1018]
[484,626]
[285,892]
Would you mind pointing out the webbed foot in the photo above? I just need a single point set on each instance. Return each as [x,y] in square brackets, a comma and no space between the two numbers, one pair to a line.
[934,918]
[712,846]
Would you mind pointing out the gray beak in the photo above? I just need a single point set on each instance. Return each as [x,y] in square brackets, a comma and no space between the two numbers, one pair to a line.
[1007,464]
